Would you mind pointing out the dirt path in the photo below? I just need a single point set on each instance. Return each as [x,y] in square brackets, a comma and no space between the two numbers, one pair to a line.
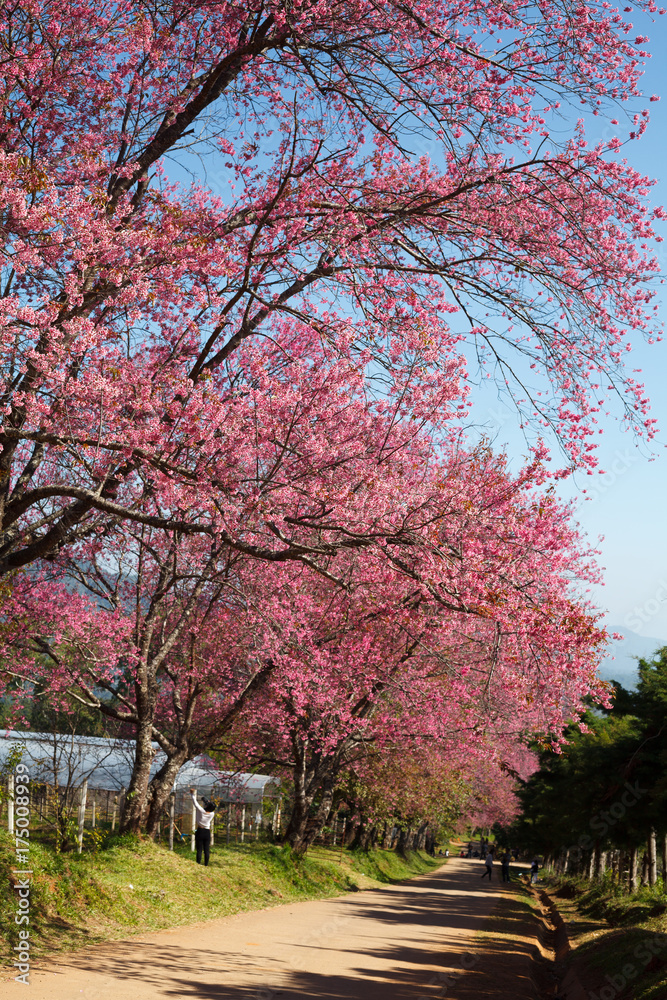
[409,940]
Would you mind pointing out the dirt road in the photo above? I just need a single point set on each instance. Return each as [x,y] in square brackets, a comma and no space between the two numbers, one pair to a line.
[402,941]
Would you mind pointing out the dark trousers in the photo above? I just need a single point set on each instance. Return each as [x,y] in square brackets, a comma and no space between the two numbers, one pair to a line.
[506,873]
[203,843]
[487,872]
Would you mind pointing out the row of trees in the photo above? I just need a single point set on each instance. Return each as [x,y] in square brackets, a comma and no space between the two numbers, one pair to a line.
[601,804]
[194,650]
[238,505]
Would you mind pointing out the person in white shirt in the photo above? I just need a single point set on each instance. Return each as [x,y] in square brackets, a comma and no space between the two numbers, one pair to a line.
[489,865]
[205,814]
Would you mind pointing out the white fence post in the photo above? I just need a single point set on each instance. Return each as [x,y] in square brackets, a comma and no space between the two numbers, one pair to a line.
[10,804]
[194,827]
[82,813]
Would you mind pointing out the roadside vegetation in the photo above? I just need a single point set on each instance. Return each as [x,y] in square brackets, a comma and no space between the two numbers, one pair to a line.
[619,941]
[132,885]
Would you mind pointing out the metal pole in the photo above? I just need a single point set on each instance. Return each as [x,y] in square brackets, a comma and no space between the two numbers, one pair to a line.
[172,806]
[194,827]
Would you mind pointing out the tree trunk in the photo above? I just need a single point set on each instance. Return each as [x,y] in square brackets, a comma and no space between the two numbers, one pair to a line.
[597,861]
[306,820]
[663,860]
[652,857]
[359,835]
[136,799]
[632,872]
[404,840]
[645,869]
[160,787]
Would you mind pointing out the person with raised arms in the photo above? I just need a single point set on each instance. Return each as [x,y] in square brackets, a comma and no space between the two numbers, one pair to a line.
[205,813]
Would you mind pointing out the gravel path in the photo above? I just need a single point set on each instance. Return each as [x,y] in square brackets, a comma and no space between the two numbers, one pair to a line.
[402,941]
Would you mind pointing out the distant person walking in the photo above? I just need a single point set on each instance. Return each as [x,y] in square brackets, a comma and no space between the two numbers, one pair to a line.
[534,869]
[488,864]
[505,866]
[205,814]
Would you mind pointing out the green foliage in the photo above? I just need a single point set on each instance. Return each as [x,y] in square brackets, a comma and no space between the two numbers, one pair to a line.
[611,932]
[93,839]
[610,784]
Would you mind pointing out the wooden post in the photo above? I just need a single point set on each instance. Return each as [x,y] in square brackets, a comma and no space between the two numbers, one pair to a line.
[194,827]
[335,829]
[113,814]
[10,804]
[172,806]
[243,823]
[213,830]
[342,838]
[94,804]
[82,813]
[229,821]
[258,823]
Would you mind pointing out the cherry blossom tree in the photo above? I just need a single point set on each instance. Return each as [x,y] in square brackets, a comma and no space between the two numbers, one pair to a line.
[378,195]
[394,649]
[465,660]
[162,640]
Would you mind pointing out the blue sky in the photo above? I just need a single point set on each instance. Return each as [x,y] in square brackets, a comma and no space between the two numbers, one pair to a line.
[628,505]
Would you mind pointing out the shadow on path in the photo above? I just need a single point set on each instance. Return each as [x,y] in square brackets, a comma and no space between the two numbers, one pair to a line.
[396,942]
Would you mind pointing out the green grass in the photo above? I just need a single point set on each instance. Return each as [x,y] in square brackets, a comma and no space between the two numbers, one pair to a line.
[617,936]
[133,885]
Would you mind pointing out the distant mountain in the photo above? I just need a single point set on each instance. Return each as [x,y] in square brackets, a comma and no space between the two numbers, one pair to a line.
[621,664]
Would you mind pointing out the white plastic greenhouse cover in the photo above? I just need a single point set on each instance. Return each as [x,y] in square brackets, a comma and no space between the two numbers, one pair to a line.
[107,764]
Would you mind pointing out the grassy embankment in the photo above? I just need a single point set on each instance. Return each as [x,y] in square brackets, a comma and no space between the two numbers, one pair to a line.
[132,886]
[619,941]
